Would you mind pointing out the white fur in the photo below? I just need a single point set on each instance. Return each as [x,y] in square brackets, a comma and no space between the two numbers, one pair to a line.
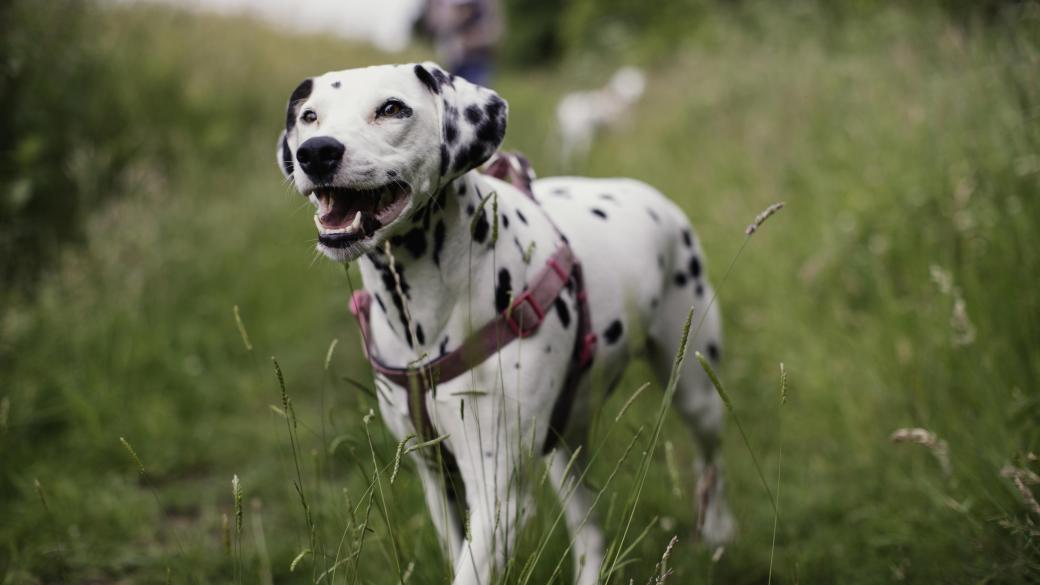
[496,415]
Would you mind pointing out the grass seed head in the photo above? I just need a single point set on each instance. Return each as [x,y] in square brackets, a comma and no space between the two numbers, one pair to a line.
[299,557]
[328,354]
[40,493]
[762,217]
[1020,477]
[133,454]
[242,330]
[920,436]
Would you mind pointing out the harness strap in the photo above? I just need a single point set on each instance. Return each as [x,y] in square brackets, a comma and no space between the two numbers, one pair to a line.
[521,319]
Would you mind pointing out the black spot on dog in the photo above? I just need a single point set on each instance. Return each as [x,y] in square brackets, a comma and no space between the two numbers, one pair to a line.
[391,174]
[653,215]
[451,132]
[490,130]
[503,291]
[438,241]
[461,160]
[470,209]
[462,189]
[390,284]
[445,156]
[607,197]
[654,302]
[419,335]
[495,107]
[695,267]
[474,114]
[687,239]
[680,279]
[660,261]
[520,215]
[414,241]
[561,192]
[480,229]
[336,84]
[441,78]
[562,311]
[599,213]
[444,345]
[379,301]
[713,353]
[505,221]
[699,291]
[302,92]
[427,79]
[548,349]
[613,332]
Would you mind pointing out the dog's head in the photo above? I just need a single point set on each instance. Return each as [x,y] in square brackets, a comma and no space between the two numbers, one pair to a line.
[370,146]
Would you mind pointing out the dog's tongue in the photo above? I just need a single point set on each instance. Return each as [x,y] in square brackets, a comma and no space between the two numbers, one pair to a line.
[337,211]
[337,216]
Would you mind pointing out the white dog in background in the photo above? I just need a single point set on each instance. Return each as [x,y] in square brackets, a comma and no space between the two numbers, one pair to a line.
[581,114]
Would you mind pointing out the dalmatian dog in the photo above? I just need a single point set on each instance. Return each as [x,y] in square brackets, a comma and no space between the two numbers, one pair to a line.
[388,157]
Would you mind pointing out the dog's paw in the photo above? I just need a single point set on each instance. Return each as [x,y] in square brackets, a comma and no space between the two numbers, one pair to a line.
[715,523]
[719,527]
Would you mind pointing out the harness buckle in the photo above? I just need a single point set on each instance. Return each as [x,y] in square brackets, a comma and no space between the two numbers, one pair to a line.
[531,315]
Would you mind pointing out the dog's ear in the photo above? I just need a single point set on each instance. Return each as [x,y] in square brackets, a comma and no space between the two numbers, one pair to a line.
[284,156]
[283,153]
[474,119]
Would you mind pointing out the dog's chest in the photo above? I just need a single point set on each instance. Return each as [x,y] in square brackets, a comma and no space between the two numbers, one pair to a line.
[461,264]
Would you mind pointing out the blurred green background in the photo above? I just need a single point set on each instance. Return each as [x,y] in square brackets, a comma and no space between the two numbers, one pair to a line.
[140,203]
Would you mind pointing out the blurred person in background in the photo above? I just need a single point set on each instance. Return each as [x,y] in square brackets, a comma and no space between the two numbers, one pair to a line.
[466,34]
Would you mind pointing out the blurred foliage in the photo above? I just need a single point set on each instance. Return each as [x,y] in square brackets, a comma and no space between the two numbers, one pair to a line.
[51,126]
[634,31]
[88,116]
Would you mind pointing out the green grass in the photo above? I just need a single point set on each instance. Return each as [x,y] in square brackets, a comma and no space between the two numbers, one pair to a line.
[899,141]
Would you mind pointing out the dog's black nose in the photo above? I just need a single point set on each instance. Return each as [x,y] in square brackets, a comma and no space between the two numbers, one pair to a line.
[320,157]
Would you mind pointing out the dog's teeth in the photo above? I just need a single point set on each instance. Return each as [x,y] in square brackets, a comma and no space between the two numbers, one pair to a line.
[357,221]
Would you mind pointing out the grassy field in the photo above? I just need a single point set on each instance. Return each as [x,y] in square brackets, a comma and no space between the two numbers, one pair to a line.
[898,287]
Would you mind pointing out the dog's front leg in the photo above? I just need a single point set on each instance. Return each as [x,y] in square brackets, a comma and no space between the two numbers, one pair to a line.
[494,493]
[493,461]
[442,502]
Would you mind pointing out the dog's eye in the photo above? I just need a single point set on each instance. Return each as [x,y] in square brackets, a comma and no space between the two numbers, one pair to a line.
[391,108]
[309,116]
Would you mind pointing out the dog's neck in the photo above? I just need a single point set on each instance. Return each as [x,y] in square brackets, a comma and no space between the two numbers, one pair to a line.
[442,277]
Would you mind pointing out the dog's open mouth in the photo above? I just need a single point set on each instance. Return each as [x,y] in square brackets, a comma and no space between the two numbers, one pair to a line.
[347,215]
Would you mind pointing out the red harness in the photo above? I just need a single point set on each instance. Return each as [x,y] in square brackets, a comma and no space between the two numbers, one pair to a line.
[521,319]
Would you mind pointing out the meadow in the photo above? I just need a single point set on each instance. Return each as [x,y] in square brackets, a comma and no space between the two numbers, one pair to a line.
[898,287]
